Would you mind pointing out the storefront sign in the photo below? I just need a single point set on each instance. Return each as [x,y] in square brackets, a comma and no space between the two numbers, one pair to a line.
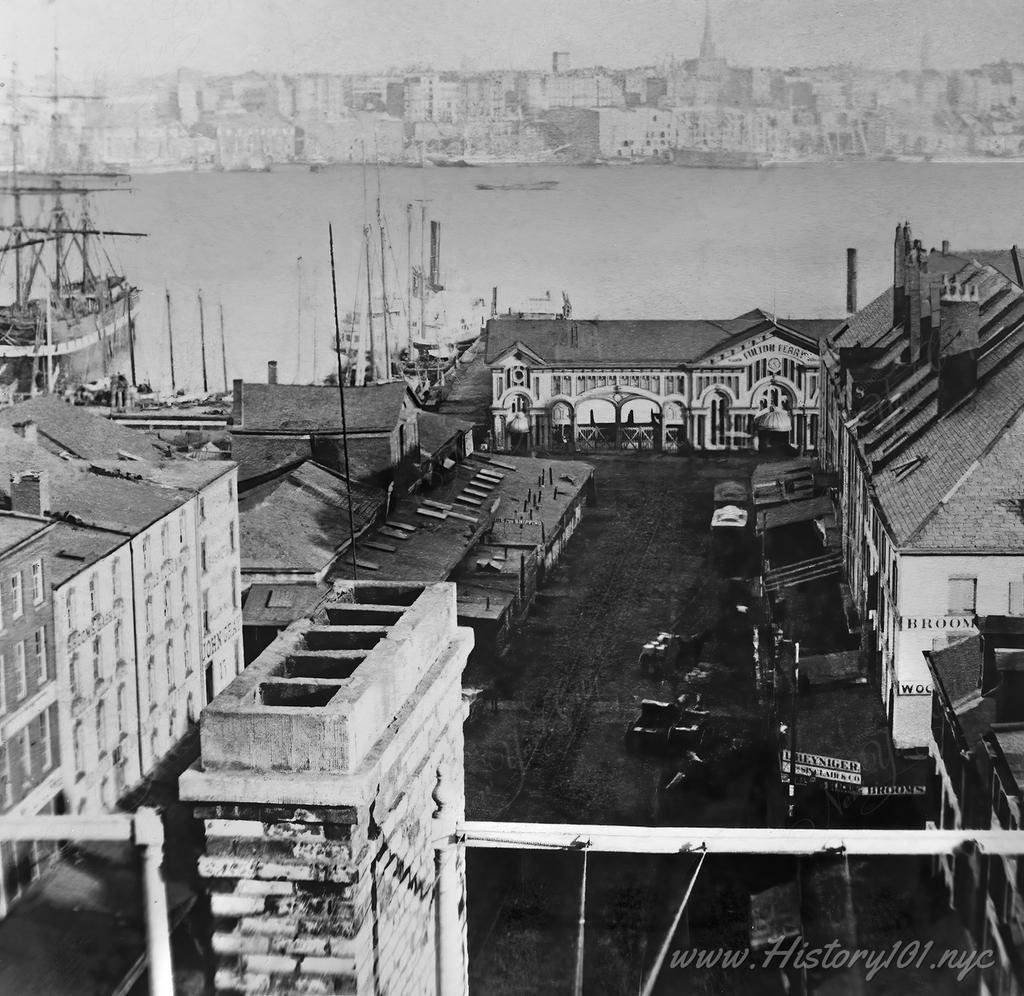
[890,790]
[913,688]
[910,623]
[832,769]
[213,643]
[775,347]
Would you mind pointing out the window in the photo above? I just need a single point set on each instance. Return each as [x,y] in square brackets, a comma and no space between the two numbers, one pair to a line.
[122,708]
[71,610]
[41,669]
[20,674]
[76,746]
[26,756]
[145,553]
[44,735]
[234,590]
[1016,606]
[962,595]
[187,652]
[38,592]
[170,664]
[164,540]
[17,604]
[206,613]
[73,675]
[202,508]
[151,676]
[231,536]
[149,613]
[182,522]
[167,600]
[115,579]
[105,792]
[184,586]
[118,639]
[231,490]
[94,598]
[238,657]
[101,726]
[202,554]
[97,663]
[8,792]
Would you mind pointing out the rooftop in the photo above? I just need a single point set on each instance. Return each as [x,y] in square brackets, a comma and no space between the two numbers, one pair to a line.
[299,520]
[326,696]
[83,432]
[436,430]
[74,548]
[301,408]
[15,528]
[612,342]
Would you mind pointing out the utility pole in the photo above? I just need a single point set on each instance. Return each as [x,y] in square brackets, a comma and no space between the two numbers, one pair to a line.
[383,284]
[223,350]
[408,258]
[298,320]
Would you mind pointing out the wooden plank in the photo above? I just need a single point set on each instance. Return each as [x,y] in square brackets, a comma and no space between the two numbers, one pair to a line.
[465,518]
[484,482]
[377,545]
[433,513]
[469,500]
[392,533]
[394,524]
[504,466]
[490,475]
[476,492]
[437,504]
[367,565]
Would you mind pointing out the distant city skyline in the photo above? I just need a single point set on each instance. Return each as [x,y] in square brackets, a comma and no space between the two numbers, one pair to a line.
[119,39]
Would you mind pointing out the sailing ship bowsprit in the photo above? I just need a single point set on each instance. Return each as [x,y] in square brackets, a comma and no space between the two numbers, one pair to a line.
[69,314]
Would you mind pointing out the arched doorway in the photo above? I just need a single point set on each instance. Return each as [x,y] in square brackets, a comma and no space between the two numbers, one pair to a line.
[595,424]
[719,420]
[774,419]
[639,423]
[674,415]
[561,425]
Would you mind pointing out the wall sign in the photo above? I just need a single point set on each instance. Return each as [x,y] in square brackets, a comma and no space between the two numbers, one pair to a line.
[937,623]
[778,348]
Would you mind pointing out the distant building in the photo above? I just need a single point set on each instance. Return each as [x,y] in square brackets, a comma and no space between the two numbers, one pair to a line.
[559,62]
[662,385]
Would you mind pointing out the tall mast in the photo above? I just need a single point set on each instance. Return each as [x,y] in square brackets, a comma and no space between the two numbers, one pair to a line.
[423,270]
[131,333]
[383,282]
[369,300]
[223,349]
[18,219]
[298,319]
[170,339]
[408,257]
[202,343]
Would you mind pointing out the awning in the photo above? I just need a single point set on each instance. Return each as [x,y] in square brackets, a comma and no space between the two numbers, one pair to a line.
[773,420]
[788,513]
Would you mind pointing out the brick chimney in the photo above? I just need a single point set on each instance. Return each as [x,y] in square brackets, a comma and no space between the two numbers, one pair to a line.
[851,281]
[30,492]
[272,372]
[236,401]
[930,335]
[915,275]
[28,431]
[899,282]
[960,319]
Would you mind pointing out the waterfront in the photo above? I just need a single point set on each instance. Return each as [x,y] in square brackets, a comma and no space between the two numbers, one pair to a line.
[644,242]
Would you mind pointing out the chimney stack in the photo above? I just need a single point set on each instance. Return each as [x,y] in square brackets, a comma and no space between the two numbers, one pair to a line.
[494,302]
[851,281]
[960,320]
[272,372]
[899,266]
[30,492]
[945,247]
[916,265]
[28,431]
[236,401]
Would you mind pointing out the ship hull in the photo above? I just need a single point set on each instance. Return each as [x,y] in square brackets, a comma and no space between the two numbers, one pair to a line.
[81,350]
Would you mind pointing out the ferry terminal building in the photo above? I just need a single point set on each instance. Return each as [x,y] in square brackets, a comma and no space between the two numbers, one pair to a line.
[586,385]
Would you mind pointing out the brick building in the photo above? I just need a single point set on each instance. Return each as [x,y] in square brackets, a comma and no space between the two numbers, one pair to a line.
[665,385]
[923,424]
[30,773]
[330,780]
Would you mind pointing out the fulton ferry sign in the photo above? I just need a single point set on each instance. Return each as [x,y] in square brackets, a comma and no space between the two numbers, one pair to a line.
[776,347]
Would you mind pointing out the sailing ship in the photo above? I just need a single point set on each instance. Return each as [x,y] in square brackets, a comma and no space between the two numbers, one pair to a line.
[69,315]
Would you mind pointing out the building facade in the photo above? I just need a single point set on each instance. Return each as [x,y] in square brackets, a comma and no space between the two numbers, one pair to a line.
[30,755]
[661,385]
[922,424]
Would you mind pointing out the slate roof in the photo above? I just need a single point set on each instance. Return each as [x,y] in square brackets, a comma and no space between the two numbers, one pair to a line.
[947,483]
[83,432]
[299,521]
[436,430]
[302,408]
[958,666]
[102,499]
[280,604]
[15,529]
[259,455]
[74,549]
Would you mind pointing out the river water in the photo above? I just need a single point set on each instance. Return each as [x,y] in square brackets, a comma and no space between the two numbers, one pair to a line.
[638,241]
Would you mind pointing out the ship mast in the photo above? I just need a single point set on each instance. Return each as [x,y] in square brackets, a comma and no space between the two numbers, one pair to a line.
[383,282]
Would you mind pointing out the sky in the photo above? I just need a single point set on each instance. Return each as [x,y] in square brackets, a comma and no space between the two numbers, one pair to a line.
[113,39]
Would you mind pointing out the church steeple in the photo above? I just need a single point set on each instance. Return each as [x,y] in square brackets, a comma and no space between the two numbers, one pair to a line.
[707,44]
